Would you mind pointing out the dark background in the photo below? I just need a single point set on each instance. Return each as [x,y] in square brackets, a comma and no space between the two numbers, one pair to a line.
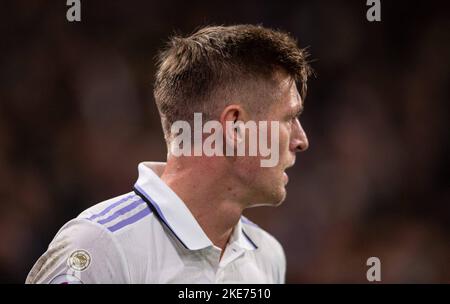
[77,115]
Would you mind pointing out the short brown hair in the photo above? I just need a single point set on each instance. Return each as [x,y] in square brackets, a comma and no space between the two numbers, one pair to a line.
[191,69]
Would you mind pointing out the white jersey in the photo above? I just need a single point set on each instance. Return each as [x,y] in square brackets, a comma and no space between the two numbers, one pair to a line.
[150,236]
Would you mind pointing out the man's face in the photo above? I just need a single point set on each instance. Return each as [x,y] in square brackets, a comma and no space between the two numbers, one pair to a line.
[267,184]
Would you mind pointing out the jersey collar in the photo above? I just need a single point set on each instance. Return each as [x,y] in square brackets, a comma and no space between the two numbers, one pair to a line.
[174,213]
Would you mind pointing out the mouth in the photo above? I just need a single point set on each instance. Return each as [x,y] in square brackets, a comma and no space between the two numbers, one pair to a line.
[285,176]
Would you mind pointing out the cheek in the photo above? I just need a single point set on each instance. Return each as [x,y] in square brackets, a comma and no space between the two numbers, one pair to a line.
[248,168]
[282,133]
[285,132]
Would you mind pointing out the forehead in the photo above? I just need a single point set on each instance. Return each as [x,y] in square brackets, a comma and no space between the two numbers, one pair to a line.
[288,96]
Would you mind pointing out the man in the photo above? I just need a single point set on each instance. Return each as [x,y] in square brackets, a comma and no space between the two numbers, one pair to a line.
[183,222]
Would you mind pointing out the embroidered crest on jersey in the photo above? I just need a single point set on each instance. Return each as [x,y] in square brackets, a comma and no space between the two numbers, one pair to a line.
[79,260]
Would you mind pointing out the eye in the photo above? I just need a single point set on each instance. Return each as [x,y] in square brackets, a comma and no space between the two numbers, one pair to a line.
[291,118]
[297,115]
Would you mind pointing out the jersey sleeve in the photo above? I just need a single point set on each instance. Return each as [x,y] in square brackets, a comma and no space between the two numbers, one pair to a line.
[82,252]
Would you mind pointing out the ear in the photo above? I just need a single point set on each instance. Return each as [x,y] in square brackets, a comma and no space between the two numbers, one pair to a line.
[229,119]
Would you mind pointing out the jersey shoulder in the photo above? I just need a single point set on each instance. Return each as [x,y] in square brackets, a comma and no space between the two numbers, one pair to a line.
[99,236]
[121,213]
[81,252]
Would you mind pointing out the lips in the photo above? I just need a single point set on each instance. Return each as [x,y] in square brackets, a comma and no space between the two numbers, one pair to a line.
[291,165]
[285,177]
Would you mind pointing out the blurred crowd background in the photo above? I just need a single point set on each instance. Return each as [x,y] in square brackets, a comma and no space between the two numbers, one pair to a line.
[77,115]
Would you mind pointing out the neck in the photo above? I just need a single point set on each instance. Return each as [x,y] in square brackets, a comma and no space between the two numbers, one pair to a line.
[210,196]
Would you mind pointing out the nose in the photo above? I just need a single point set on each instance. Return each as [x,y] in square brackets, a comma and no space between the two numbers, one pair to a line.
[299,140]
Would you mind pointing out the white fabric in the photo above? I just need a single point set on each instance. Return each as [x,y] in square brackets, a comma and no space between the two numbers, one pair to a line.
[128,242]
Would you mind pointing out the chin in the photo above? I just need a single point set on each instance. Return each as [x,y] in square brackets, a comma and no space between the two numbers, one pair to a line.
[274,197]
[281,197]
[278,193]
